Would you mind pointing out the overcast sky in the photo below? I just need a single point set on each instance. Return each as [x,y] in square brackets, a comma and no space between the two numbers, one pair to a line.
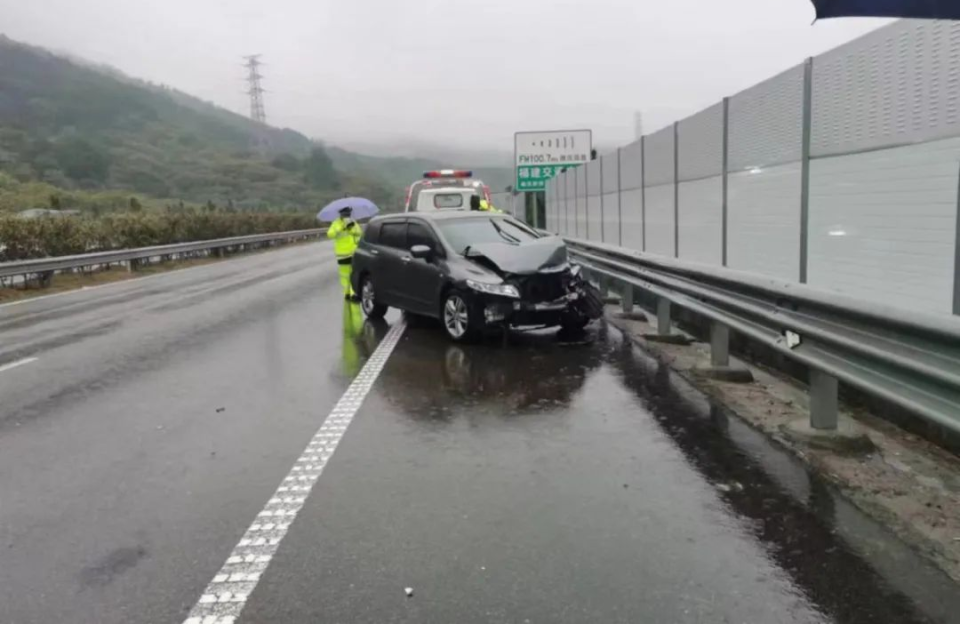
[455,72]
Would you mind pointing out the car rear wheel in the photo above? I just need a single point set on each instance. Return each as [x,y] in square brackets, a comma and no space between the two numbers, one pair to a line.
[458,318]
[368,300]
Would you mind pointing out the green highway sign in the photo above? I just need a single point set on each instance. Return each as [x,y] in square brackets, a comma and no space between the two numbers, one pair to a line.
[540,156]
[534,177]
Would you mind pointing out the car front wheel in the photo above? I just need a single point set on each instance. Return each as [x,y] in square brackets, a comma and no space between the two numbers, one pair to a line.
[368,300]
[458,318]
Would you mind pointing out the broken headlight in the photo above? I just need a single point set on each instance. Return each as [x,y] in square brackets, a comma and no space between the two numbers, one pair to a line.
[503,290]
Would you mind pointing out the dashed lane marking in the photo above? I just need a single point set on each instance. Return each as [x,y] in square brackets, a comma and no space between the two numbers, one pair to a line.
[17,363]
[226,595]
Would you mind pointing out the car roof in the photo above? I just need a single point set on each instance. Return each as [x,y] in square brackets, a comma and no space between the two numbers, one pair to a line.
[440,215]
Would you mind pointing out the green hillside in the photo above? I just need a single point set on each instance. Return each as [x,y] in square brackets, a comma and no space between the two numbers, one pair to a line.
[76,136]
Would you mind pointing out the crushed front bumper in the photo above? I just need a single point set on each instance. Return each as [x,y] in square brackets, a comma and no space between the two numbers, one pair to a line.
[525,313]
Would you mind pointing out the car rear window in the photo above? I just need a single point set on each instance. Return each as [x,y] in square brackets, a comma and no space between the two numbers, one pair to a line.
[448,200]
[462,233]
[394,235]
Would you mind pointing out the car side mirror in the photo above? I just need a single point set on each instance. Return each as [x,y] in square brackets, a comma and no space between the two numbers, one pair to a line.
[422,252]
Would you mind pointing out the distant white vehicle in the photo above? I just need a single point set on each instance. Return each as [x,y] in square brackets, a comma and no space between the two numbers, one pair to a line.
[445,189]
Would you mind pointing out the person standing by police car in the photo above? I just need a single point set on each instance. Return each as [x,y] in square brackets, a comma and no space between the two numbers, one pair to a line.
[481,204]
[345,233]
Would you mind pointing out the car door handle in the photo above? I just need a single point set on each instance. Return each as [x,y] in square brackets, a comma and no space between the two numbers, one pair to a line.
[374,252]
[406,259]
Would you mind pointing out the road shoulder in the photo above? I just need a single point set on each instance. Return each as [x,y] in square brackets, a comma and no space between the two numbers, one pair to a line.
[907,484]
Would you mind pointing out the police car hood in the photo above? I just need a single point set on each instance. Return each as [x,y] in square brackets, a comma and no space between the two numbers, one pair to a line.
[522,259]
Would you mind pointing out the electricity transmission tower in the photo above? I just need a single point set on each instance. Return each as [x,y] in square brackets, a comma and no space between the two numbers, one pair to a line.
[254,89]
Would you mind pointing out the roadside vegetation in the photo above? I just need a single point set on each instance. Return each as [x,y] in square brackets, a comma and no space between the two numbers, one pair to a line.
[22,239]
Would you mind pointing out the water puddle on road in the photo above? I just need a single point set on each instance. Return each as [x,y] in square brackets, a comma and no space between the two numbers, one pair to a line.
[576,480]
[851,569]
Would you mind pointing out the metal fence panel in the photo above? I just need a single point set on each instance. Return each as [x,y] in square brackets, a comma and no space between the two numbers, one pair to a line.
[631,214]
[580,173]
[611,218]
[700,223]
[658,158]
[763,221]
[660,219]
[631,166]
[700,144]
[611,173]
[883,225]
[548,208]
[571,202]
[595,218]
[766,123]
[899,84]
[560,184]
[593,178]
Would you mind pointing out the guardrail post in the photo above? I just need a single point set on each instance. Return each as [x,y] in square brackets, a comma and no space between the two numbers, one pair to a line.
[664,326]
[626,299]
[720,368]
[823,400]
[719,344]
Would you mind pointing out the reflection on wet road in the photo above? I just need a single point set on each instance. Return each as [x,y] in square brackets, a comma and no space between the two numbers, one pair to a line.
[548,481]
[536,480]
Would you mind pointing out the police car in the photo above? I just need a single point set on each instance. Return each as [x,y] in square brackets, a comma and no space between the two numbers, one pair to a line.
[444,189]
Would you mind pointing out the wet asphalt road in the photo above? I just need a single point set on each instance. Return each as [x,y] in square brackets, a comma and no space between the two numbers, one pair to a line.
[538,481]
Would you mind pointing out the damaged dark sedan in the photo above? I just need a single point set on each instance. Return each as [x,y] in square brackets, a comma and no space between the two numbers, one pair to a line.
[473,271]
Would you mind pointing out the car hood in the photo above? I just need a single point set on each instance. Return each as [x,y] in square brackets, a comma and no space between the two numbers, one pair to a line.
[522,259]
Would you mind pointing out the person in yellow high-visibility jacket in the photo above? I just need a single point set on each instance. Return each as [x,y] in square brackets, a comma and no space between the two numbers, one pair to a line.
[481,204]
[345,233]
[488,207]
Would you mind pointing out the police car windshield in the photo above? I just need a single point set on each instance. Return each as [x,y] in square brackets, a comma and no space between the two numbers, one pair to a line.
[463,233]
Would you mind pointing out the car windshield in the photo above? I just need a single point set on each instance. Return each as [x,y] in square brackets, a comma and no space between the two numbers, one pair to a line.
[463,233]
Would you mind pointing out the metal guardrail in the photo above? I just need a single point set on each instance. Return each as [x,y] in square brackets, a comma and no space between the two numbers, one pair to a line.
[61,263]
[908,358]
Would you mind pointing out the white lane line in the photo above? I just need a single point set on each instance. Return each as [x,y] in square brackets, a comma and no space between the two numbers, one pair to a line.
[13,365]
[226,595]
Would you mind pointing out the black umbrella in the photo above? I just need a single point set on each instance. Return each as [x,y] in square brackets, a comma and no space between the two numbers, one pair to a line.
[924,9]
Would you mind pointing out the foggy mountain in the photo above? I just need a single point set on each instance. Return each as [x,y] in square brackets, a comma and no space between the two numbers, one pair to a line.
[89,134]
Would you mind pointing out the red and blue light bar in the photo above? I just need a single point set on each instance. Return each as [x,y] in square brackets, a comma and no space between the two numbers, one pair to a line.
[448,173]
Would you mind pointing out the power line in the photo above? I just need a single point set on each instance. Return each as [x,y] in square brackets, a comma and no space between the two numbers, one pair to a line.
[254,88]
